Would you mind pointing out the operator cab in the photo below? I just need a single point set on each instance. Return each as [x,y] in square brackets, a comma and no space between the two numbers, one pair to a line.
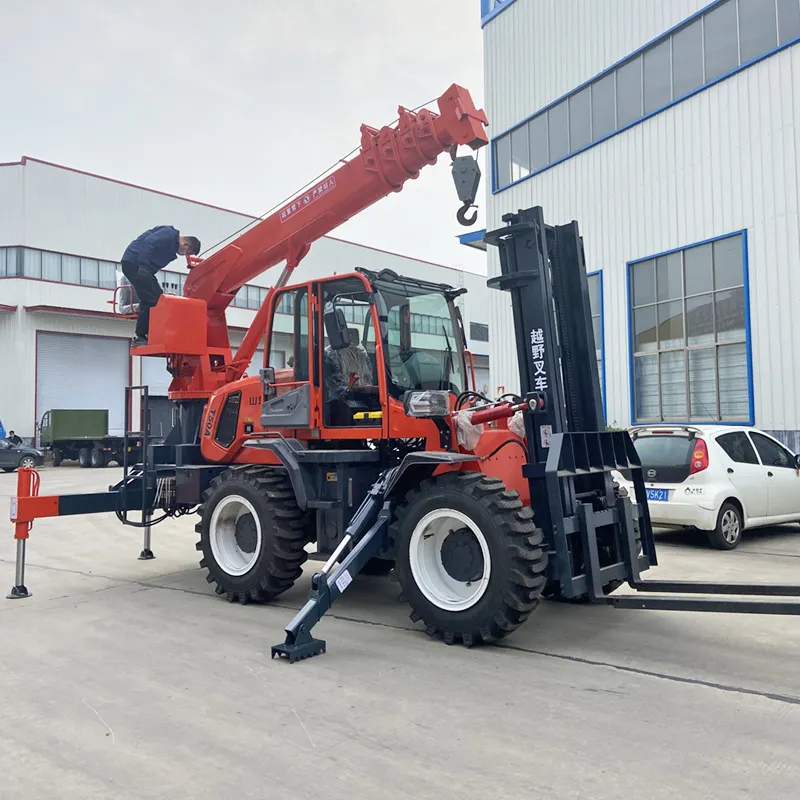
[382,335]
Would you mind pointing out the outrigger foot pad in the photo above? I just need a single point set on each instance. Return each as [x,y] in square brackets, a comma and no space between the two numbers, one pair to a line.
[20,593]
[304,646]
[146,555]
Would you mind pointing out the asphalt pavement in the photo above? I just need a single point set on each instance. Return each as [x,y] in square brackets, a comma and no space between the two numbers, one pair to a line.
[128,679]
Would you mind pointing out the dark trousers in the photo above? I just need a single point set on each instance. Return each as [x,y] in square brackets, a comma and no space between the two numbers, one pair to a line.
[147,288]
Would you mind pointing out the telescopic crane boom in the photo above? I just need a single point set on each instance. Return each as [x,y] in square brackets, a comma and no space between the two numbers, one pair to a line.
[198,347]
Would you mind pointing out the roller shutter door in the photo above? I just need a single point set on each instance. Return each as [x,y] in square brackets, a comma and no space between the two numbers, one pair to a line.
[82,372]
[155,376]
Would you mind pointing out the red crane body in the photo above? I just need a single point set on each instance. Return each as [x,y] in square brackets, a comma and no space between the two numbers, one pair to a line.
[191,331]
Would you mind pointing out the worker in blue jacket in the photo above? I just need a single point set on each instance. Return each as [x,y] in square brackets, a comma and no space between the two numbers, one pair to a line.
[143,258]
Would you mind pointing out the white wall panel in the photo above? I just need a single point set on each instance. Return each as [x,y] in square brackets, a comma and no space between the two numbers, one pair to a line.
[722,161]
[12,217]
[538,50]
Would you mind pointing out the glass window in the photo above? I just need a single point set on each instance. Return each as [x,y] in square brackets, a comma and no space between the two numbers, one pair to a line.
[253,297]
[32,263]
[292,348]
[737,447]
[478,332]
[758,29]
[698,269]
[721,40]
[108,274]
[646,387]
[669,276]
[728,263]
[643,278]
[645,334]
[687,59]
[703,384]
[502,160]
[90,272]
[70,269]
[699,339]
[3,253]
[558,122]
[604,107]
[670,324]
[771,453]
[788,20]
[733,390]
[262,295]
[700,319]
[629,92]
[729,315]
[520,158]
[673,385]
[593,282]
[51,266]
[537,140]
[657,77]
[13,257]
[580,119]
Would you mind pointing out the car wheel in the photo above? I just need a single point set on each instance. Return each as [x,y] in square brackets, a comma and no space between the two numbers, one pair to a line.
[728,533]
[27,461]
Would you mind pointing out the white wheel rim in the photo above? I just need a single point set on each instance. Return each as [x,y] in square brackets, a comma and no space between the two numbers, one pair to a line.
[28,462]
[222,535]
[428,570]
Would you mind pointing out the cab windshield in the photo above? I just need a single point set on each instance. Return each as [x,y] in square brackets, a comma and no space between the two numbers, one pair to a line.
[422,338]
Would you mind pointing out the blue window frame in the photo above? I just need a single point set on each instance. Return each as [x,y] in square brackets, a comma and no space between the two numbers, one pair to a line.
[598,312]
[689,334]
[718,41]
[491,8]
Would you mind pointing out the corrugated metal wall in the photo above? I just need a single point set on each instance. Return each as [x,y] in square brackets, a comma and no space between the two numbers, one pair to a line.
[724,160]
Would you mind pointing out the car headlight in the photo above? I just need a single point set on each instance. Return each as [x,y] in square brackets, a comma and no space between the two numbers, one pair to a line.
[427,404]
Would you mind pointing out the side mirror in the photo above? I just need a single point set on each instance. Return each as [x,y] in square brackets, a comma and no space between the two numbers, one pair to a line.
[290,361]
[797,462]
[336,327]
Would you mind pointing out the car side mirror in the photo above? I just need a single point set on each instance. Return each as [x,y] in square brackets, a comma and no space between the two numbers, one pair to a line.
[336,328]
[797,462]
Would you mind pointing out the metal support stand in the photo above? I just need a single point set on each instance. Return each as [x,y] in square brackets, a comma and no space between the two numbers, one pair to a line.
[146,554]
[19,591]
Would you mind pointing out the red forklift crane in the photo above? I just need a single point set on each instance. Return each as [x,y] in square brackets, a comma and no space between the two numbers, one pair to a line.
[372,445]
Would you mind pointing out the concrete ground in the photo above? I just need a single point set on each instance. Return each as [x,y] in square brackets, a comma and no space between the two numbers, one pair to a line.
[127,679]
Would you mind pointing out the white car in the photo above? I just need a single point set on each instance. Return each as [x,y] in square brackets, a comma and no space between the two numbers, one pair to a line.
[719,479]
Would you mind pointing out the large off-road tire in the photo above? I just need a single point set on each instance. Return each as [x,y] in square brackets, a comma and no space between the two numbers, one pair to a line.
[57,457]
[97,457]
[470,559]
[85,457]
[252,534]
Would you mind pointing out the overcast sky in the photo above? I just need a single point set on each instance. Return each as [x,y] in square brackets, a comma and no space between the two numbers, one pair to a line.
[239,102]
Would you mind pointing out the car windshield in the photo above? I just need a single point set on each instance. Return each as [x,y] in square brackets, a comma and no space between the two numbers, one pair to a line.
[424,339]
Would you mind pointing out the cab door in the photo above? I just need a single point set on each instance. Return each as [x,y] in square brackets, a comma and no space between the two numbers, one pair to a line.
[289,354]
[350,359]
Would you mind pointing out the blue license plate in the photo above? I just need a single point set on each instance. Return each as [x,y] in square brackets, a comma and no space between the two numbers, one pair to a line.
[658,495]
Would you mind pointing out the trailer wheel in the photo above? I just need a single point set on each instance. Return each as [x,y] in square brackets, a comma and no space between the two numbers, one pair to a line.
[85,457]
[98,457]
[470,559]
[252,534]
[57,457]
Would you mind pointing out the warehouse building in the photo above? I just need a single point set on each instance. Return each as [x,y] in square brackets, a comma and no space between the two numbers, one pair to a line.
[670,131]
[62,232]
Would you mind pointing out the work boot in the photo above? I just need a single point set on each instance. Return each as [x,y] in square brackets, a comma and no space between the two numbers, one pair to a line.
[139,341]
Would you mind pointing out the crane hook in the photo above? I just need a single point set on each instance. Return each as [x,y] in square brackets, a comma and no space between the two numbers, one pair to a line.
[462,217]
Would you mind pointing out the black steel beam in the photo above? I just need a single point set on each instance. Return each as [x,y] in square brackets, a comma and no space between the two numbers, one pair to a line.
[715,605]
